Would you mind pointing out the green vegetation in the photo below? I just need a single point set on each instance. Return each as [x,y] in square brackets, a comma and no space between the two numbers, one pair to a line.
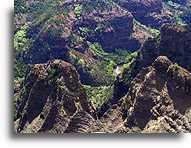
[181,13]
[111,60]
[21,41]
[46,8]
[100,28]
[105,68]
[128,74]
[97,5]
[131,57]
[175,67]
[103,71]
[153,31]
[98,95]
[110,67]
[20,6]
[78,10]
[97,49]
[85,31]
[76,40]
[19,70]
[123,56]
[52,73]
[76,60]
[47,13]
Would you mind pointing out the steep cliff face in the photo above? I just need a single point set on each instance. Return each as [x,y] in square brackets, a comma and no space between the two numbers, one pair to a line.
[159,91]
[175,43]
[158,101]
[87,35]
[148,12]
[163,81]
[148,92]
[51,94]
[112,28]
[53,100]
[99,21]
[142,7]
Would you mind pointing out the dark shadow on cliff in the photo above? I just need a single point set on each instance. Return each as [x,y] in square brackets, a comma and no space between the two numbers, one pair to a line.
[42,137]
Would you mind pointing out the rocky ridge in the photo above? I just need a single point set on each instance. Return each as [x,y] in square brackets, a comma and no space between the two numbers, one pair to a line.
[152,104]
[51,94]
[155,94]
[151,94]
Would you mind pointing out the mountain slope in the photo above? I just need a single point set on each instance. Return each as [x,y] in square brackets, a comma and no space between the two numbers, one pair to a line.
[84,66]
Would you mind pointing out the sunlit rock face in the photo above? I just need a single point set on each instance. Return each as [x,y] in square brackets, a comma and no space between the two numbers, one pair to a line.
[51,94]
[156,92]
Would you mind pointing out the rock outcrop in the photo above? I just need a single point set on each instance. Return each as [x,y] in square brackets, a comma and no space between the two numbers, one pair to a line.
[51,94]
[174,42]
[54,101]
[101,23]
[109,25]
[158,101]
[159,93]
[81,122]
[152,93]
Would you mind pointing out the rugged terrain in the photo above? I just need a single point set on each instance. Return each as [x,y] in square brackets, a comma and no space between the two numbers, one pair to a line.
[84,66]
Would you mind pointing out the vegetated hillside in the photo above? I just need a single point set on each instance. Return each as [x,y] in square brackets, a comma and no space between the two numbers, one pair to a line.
[180,9]
[104,66]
